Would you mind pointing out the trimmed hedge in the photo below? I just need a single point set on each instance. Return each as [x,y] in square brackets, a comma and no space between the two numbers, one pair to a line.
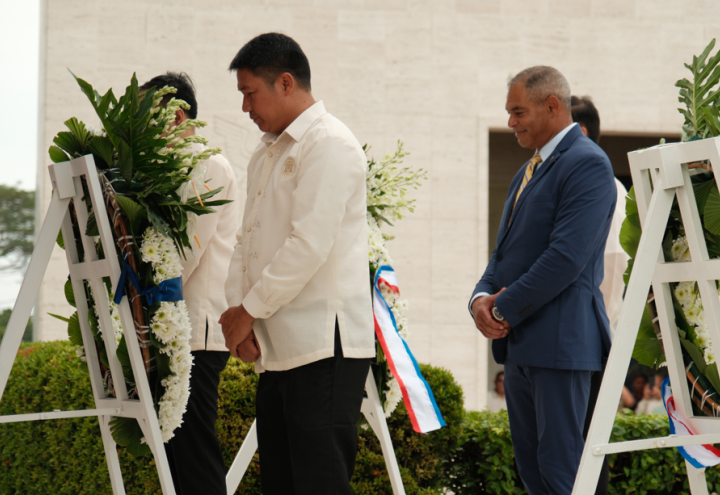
[66,456]
[472,455]
[485,462]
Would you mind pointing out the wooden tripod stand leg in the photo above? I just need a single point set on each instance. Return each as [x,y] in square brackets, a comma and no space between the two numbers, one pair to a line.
[242,460]
[111,455]
[373,411]
[31,286]
[622,346]
[696,477]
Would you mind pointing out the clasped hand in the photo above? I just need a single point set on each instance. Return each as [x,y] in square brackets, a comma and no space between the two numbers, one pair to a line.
[489,326]
[237,327]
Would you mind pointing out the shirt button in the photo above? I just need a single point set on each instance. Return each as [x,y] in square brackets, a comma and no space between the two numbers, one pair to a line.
[268,313]
[269,153]
[259,193]
[248,229]
[244,268]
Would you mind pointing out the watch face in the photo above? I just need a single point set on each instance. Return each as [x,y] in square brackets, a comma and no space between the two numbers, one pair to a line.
[496,314]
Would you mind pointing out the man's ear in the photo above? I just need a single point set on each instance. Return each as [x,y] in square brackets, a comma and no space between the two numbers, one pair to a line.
[583,129]
[180,116]
[287,83]
[552,104]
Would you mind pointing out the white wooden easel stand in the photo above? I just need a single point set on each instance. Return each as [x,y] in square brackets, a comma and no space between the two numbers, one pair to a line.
[373,411]
[667,167]
[67,187]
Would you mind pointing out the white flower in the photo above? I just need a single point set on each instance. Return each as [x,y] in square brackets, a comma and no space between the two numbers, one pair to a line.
[150,252]
[709,356]
[684,292]
[392,396]
[680,250]
[171,325]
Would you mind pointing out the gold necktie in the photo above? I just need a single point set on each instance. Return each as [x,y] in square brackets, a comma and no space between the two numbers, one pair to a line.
[526,178]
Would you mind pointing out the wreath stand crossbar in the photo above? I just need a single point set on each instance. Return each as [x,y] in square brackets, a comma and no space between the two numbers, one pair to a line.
[660,174]
[67,188]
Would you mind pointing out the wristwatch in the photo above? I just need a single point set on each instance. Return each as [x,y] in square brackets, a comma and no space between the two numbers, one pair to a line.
[496,314]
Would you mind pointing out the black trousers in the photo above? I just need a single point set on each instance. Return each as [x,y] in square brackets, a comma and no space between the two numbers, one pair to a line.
[307,425]
[595,382]
[196,461]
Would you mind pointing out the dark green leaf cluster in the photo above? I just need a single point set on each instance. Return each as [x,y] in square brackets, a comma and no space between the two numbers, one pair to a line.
[17,224]
[701,96]
[133,154]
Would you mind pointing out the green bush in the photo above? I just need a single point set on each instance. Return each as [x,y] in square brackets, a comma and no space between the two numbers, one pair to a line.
[472,455]
[66,456]
[485,461]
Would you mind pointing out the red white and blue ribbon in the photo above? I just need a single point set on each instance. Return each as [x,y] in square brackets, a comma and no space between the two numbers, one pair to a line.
[419,399]
[700,456]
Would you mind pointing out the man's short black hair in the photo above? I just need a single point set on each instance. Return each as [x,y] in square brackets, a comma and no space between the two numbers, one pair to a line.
[180,81]
[272,54]
[584,112]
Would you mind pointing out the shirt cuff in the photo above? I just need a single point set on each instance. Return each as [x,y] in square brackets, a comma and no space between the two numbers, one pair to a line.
[256,307]
[479,294]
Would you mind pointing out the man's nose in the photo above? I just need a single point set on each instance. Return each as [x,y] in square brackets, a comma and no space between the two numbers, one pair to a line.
[246,107]
[512,122]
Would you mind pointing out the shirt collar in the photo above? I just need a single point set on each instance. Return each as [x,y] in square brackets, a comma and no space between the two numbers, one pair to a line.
[548,149]
[300,125]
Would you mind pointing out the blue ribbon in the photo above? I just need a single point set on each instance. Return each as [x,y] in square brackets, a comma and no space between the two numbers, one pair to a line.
[168,290]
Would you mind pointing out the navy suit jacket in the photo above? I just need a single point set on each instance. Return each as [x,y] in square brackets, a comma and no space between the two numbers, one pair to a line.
[550,259]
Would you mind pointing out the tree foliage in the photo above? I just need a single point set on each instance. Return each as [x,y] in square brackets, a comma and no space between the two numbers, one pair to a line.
[17,223]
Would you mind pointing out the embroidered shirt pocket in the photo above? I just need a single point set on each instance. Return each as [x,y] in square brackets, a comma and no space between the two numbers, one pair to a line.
[288,169]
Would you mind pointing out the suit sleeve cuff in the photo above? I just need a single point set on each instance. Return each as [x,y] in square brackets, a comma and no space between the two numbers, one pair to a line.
[256,307]
[479,294]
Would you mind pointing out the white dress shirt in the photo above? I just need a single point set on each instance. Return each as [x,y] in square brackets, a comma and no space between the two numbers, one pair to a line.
[301,258]
[206,267]
[545,153]
[616,259]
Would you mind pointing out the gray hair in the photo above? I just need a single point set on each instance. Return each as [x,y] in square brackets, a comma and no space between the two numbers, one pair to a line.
[542,81]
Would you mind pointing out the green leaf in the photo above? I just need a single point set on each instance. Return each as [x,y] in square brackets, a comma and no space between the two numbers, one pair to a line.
[711,373]
[630,237]
[61,318]
[127,433]
[69,294]
[702,192]
[631,210]
[102,147]
[57,155]
[628,271]
[59,240]
[91,229]
[125,160]
[135,213]
[711,217]
[74,332]
[695,354]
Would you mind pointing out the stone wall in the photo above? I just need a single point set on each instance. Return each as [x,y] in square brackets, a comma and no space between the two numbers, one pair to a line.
[430,72]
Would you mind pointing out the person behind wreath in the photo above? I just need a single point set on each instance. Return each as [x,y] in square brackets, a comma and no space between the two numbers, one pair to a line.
[539,299]
[194,454]
[298,282]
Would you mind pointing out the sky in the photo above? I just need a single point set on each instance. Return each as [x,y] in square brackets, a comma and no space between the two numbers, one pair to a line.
[19,59]
[19,52]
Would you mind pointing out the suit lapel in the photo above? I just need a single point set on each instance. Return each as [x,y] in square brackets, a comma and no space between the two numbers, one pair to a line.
[545,167]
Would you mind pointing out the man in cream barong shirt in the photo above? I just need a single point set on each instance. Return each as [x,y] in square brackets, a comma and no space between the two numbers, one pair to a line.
[299,277]
[194,454]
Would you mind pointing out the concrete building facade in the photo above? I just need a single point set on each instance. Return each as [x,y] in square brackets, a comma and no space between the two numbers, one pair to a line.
[431,73]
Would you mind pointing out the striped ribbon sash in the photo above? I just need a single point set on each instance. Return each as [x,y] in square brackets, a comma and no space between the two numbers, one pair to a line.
[700,456]
[419,400]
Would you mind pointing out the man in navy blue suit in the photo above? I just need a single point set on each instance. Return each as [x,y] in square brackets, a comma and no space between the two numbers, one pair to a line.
[539,299]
